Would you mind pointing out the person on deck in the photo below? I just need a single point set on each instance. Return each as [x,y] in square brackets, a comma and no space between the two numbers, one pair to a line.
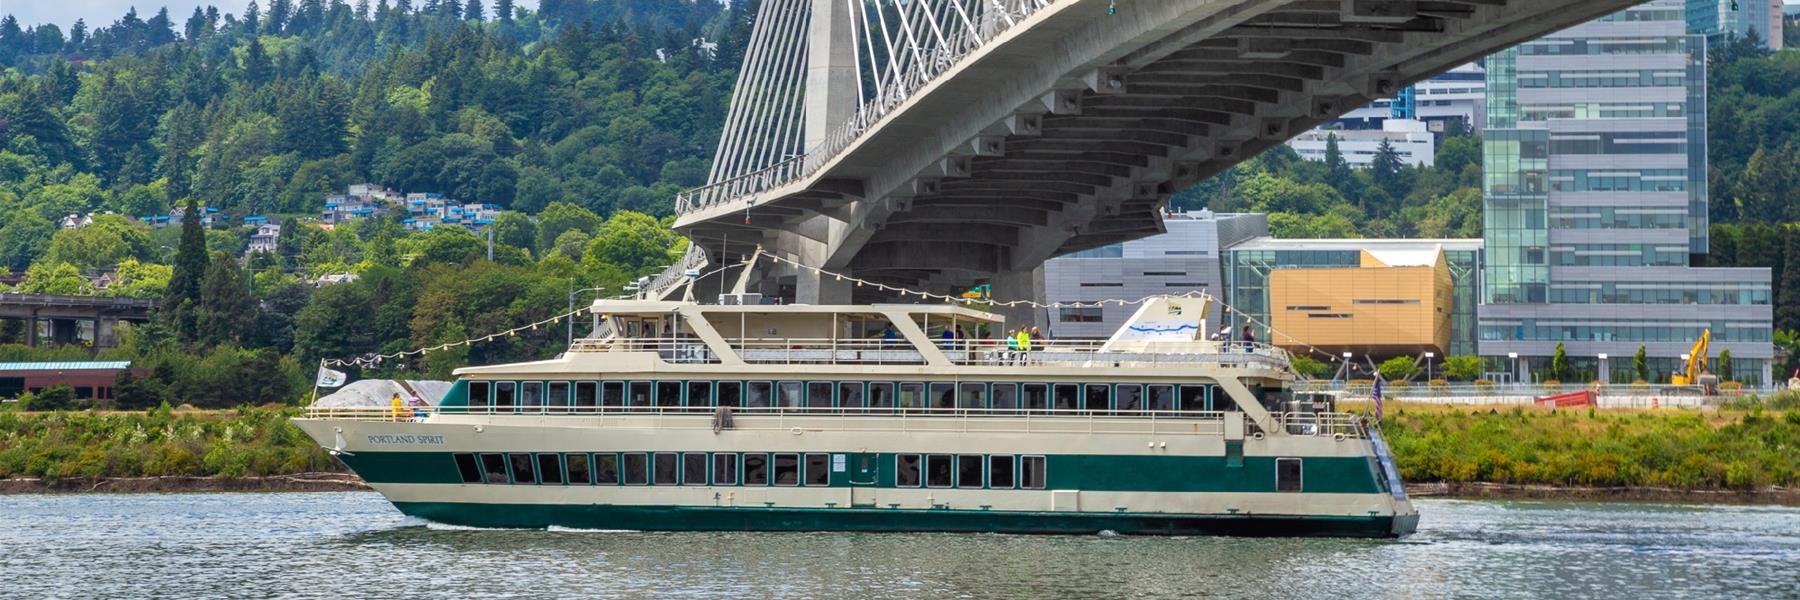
[1249,340]
[397,406]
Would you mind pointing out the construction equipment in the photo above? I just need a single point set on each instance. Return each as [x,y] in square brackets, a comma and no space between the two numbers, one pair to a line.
[1695,366]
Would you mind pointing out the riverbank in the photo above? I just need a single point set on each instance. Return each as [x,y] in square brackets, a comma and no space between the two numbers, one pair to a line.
[299,482]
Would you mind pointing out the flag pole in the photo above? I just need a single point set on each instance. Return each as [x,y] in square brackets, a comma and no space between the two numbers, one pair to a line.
[315,392]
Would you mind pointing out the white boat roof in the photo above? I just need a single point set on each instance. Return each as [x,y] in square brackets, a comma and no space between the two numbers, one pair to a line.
[657,307]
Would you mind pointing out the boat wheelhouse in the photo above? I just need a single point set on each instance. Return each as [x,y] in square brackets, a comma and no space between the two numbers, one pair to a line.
[681,416]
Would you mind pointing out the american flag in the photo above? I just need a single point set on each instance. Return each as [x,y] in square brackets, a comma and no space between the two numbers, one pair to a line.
[1375,393]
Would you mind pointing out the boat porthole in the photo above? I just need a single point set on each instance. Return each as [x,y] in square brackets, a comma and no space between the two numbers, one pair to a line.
[796,431]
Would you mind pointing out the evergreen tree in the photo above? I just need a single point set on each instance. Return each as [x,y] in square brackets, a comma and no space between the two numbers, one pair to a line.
[78,35]
[472,11]
[195,26]
[1787,297]
[257,67]
[362,10]
[1385,170]
[503,11]
[252,18]
[226,308]
[181,135]
[1640,364]
[182,297]
[1337,170]
[279,13]
[1559,363]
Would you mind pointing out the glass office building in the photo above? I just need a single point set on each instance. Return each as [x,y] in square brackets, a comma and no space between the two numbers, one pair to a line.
[1595,203]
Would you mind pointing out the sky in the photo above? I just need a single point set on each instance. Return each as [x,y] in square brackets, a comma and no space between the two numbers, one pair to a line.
[103,12]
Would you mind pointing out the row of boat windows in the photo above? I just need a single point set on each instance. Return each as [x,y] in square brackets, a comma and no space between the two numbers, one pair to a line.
[1095,397]
[975,471]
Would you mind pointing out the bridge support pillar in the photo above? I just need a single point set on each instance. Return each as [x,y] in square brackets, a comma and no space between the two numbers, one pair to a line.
[812,287]
[1021,285]
[31,330]
[64,331]
[106,333]
[831,87]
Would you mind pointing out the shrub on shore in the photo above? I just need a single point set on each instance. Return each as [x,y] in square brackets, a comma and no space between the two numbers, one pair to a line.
[248,441]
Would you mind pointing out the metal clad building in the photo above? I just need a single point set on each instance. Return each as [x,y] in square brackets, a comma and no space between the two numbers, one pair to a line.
[1185,259]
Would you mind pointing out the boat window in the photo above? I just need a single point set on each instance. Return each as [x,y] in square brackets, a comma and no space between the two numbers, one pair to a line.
[731,393]
[478,394]
[521,468]
[495,466]
[787,469]
[1000,471]
[606,469]
[1031,472]
[943,396]
[1193,398]
[587,395]
[612,393]
[1162,397]
[760,395]
[531,395]
[693,468]
[818,394]
[1067,395]
[790,394]
[724,469]
[1129,397]
[881,395]
[906,470]
[850,395]
[557,398]
[912,395]
[968,470]
[503,395]
[1098,397]
[1037,396]
[550,468]
[818,469]
[938,470]
[637,468]
[1287,474]
[668,393]
[640,394]
[972,395]
[668,469]
[466,467]
[1221,401]
[578,469]
[1006,398]
[700,394]
[756,469]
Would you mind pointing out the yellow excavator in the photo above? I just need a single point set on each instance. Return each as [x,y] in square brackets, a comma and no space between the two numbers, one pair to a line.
[1696,362]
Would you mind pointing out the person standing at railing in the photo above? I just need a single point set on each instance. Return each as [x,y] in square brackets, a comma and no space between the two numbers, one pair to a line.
[1249,340]
[396,407]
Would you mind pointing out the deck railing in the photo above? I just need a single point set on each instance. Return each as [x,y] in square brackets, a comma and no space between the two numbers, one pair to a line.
[808,419]
[973,352]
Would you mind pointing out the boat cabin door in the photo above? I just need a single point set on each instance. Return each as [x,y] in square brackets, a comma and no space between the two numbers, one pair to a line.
[862,472]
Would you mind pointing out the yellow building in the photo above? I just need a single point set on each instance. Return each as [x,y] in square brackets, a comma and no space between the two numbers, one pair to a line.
[1396,302]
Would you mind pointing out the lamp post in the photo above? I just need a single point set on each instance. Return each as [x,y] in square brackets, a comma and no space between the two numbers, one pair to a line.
[1428,357]
[1514,357]
[572,294]
[1605,373]
[1346,368]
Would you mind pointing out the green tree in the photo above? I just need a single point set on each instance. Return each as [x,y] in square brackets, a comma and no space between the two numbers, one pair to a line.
[24,237]
[559,217]
[572,244]
[183,295]
[226,310]
[1463,368]
[1640,364]
[1310,367]
[1397,368]
[1724,366]
[1559,363]
[1337,170]
[632,241]
[101,245]
[56,397]
[335,323]
[1787,297]
[58,278]
[515,229]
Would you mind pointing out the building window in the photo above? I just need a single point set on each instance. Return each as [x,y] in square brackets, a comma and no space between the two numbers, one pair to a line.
[818,394]
[606,469]
[1287,475]
[466,467]
[521,468]
[503,395]
[1037,396]
[791,394]
[1006,397]
[640,394]
[724,469]
[557,398]
[578,469]
[1102,284]
[1099,397]
[968,471]
[667,469]
[613,393]
[731,393]
[756,469]
[906,470]
[1031,472]
[1080,314]
[495,467]
[668,393]
[818,469]
[699,394]
[938,470]
[1130,397]
[550,469]
[693,468]
[1000,471]
[881,395]
[531,396]
[850,395]
[760,393]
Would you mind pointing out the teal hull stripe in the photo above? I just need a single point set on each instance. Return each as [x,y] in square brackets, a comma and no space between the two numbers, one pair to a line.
[1332,475]
[707,518]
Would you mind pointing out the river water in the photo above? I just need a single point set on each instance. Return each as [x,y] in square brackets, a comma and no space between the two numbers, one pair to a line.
[354,545]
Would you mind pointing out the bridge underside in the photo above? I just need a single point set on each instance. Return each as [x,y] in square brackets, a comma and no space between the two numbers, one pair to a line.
[1072,133]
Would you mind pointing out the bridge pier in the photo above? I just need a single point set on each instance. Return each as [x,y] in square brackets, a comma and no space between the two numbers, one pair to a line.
[64,331]
[813,287]
[1021,285]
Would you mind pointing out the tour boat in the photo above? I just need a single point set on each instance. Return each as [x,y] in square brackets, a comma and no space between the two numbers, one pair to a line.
[679,416]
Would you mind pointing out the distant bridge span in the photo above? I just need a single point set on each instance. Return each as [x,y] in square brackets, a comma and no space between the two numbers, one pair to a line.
[945,143]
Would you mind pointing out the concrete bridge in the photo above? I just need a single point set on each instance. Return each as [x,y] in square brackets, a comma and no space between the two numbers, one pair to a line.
[65,315]
[939,144]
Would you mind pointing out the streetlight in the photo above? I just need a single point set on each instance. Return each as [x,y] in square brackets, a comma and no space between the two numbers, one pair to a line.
[1514,357]
[1605,373]
[572,294]
[1428,357]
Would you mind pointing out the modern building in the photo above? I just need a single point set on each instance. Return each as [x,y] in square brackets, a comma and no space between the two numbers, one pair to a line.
[1184,259]
[1722,19]
[1411,140]
[1374,297]
[1595,204]
[1456,95]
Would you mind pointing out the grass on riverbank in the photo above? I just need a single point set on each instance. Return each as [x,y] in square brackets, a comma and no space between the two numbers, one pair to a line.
[248,441]
[1671,448]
